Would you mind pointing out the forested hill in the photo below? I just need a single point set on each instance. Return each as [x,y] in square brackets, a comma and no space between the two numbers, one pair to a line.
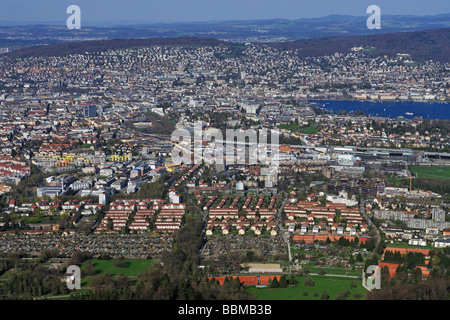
[432,44]
[63,49]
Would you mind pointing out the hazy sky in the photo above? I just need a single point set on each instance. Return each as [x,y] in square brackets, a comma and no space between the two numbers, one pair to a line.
[97,11]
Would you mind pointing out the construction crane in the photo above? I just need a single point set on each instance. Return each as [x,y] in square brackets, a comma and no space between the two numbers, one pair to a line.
[410,181]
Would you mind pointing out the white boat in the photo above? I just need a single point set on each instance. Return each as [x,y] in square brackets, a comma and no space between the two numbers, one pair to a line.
[409,113]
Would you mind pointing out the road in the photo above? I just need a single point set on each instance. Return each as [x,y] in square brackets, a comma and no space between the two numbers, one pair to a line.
[52,297]
[370,223]
[280,226]
[334,275]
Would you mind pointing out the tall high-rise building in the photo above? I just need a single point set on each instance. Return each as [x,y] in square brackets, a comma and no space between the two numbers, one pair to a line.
[438,214]
[90,110]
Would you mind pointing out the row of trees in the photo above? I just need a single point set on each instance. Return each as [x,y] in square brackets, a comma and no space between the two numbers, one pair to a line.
[436,185]
[411,259]
[38,282]
[409,286]
[30,278]
[407,282]
[284,281]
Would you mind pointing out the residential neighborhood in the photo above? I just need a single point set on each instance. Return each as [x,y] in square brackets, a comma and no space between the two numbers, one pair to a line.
[89,172]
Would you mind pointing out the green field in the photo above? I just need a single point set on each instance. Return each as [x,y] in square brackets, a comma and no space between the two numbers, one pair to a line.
[333,285]
[338,271]
[434,172]
[135,268]
[297,128]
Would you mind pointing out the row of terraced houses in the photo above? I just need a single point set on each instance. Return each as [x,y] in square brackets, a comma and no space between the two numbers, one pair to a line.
[137,214]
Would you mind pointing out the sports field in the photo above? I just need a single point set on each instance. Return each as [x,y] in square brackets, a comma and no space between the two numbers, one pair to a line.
[334,286]
[133,269]
[434,172]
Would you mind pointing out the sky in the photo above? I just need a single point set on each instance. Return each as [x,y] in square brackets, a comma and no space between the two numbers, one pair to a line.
[138,11]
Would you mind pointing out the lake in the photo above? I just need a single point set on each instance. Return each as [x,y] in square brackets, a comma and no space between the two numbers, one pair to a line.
[391,109]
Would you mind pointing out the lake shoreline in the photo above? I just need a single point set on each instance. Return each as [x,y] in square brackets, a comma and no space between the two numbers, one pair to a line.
[387,109]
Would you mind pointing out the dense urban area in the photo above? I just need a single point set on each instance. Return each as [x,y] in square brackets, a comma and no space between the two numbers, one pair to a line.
[88,176]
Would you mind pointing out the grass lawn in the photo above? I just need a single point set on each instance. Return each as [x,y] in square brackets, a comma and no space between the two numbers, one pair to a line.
[297,128]
[333,285]
[339,271]
[135,268]
[41,219]
[431,172]
[310,129]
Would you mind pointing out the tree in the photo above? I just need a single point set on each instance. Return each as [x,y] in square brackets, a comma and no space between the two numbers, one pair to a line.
[250,256]
[343,295]
[103,282]
[274,283]
[283,282]
[308,282]
[110,223]
[121,263]
[292,279]
[77,258]
[325,296]
[351,260]
[416,275]
[401,273]
[343,242]
[88,269]
[359,257]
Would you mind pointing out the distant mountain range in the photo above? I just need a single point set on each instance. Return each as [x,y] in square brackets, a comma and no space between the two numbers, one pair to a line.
[270,30]
[422,45]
